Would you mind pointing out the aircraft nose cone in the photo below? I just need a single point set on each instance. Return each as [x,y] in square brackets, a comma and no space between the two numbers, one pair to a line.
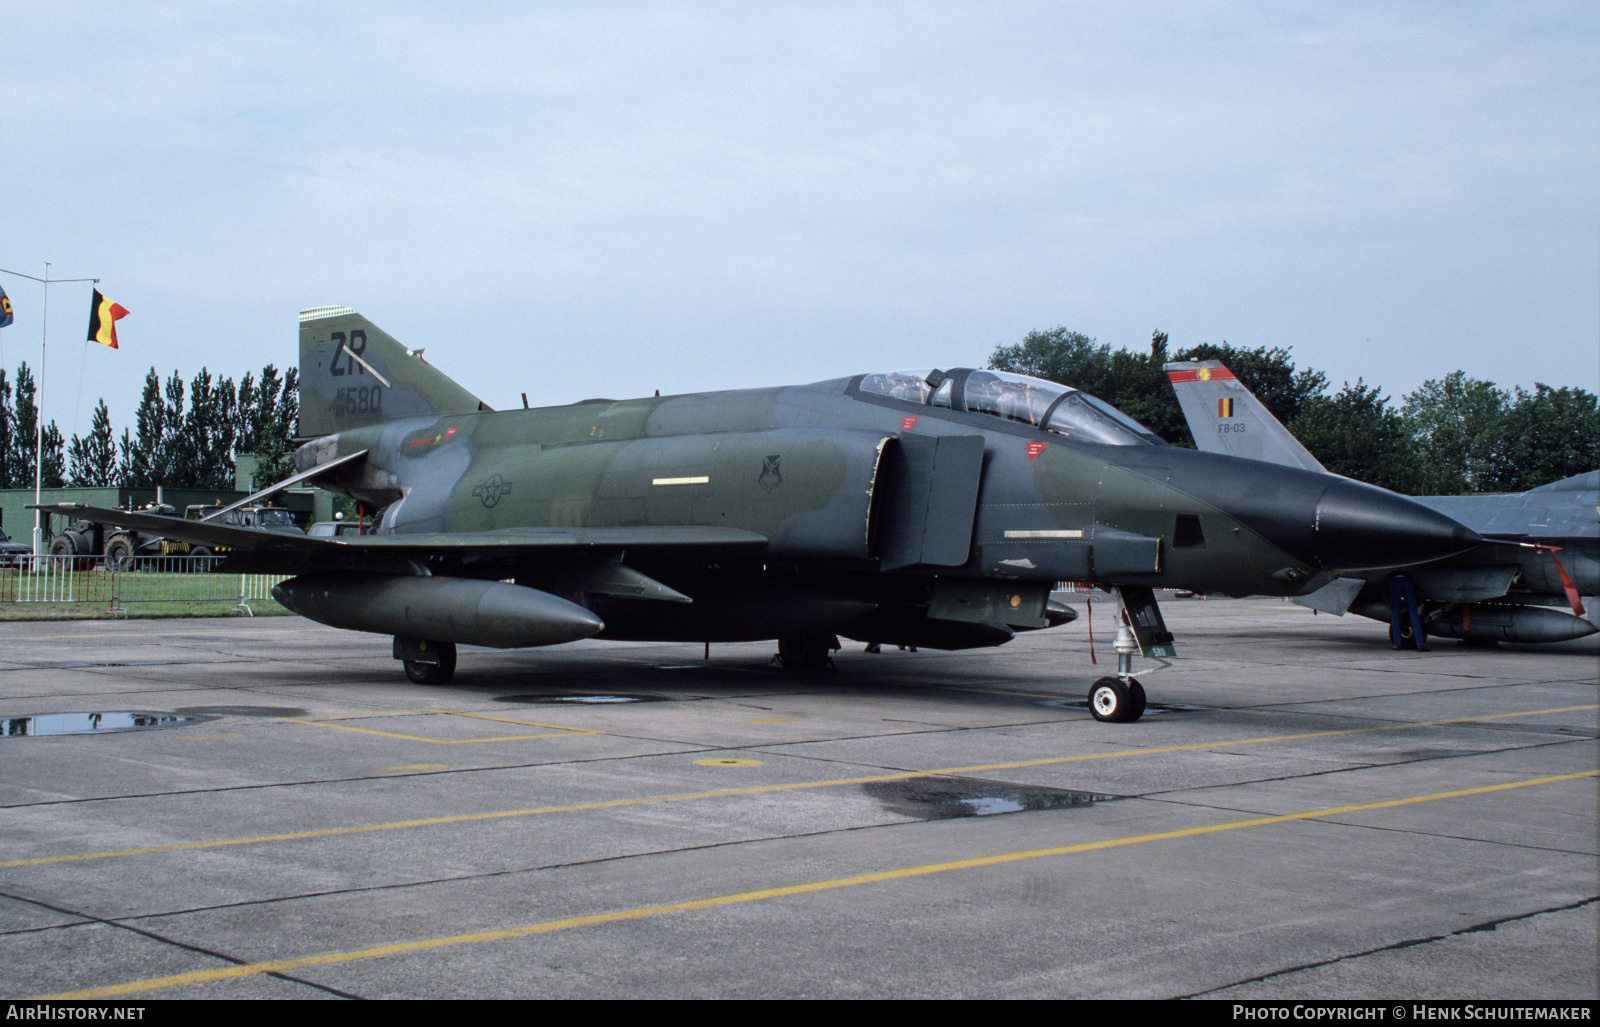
[1361,527]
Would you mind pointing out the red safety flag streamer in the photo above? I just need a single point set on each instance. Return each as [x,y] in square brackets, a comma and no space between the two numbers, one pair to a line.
[1088,602]
[1566,581]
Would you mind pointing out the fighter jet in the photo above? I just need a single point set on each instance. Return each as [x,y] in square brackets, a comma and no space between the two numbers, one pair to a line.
[1526,583]
[933,508]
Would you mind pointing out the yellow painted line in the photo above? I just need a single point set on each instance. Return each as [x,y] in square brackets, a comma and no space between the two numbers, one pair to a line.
[729,761]
[564,732]
[227,973]
[722,793]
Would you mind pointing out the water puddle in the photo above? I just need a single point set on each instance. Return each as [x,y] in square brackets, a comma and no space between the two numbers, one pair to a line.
[944,798]
[87,723]
[578,698]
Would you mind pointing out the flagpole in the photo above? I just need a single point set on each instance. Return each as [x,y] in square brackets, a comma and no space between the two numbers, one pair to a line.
[38,401]
[38,419]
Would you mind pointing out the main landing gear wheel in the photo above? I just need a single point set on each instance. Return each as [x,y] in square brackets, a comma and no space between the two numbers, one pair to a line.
[806,652]
[1115,701]
[433,673]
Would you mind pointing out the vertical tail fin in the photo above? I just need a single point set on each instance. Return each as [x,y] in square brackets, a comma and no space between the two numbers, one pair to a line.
[353,374]
[1225,417]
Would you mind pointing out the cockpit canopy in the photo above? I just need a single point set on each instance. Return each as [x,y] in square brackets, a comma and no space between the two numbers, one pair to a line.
[1015,397]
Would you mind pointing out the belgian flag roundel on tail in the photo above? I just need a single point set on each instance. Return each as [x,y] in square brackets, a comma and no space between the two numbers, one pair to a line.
[103,317]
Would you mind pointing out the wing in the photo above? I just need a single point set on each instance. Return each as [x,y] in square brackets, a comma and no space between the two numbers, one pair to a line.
[501,542]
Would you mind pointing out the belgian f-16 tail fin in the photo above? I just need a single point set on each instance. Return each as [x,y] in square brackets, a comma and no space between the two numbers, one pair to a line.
[353,374]
[1225,417]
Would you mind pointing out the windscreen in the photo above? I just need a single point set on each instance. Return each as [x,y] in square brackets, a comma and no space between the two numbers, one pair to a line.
[1082,416]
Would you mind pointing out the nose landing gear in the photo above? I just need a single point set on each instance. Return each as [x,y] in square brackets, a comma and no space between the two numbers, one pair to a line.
[1119,700]
[1140,628]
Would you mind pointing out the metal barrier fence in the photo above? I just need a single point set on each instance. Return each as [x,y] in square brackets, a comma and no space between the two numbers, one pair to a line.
[142,579]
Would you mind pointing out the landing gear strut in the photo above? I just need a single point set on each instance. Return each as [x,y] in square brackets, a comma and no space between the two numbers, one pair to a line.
[1120,700]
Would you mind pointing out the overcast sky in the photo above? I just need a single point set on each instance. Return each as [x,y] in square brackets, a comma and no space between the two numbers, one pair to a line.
[604,199]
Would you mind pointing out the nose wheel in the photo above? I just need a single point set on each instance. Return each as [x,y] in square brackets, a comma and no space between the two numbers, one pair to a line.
[1116,701]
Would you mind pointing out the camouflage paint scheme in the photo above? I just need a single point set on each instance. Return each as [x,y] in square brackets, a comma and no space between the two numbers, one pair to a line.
[857,506]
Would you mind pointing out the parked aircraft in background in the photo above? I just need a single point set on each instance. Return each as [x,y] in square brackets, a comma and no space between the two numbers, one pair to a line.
[929,508]
[1534,579]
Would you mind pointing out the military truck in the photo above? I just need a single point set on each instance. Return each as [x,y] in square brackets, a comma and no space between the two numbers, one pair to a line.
[118,546]
[267,518]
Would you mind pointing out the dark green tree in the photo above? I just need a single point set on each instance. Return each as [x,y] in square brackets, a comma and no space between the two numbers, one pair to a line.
[144,459]
[8,476]
[277,451]
[203,454]
[23,438]
[92,461]
[1546,435]
[1357,433]
[1456,425]
[268,416]
[52,467]
[24,419]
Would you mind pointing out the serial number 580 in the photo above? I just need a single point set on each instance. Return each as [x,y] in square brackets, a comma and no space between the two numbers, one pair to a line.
[365,399]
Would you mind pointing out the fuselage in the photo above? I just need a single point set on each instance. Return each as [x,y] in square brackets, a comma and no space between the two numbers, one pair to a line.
[862,495]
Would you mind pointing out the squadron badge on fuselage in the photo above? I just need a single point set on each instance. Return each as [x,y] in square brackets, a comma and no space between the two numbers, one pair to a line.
[771,475]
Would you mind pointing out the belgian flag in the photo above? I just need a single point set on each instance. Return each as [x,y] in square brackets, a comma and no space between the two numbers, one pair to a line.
[103,317]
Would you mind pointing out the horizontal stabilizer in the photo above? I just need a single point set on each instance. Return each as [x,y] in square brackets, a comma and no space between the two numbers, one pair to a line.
[289,482]
[1334,597]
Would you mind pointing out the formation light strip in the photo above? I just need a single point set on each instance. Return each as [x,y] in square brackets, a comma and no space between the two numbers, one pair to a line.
[318,313]
[698,479]
[1046,533]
